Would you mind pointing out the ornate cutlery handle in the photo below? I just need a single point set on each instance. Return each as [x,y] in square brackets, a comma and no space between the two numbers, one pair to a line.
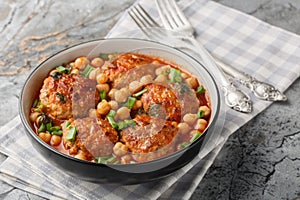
[260,89]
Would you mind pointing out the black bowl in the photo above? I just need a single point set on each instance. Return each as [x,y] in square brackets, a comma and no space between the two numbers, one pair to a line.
[117,173]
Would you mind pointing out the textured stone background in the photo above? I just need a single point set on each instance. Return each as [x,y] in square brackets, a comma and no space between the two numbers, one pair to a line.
[260,161]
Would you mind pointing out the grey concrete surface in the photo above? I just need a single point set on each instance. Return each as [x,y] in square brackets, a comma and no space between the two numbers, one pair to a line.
[259,161]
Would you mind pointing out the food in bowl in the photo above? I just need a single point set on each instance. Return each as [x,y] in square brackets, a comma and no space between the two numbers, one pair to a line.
[120,108]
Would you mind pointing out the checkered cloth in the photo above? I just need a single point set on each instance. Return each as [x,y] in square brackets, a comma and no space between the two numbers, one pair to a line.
[269,53]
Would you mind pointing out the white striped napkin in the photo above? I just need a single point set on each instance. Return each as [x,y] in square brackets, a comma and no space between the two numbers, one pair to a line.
[269,53]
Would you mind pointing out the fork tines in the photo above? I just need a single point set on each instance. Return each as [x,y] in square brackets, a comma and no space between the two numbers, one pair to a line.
[141,17]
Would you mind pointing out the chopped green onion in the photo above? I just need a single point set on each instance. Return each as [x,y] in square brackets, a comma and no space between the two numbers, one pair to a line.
[195,137]
[67,123]
[200,114]
[49,126]
[200,89]
[112,122]
[104,56]
[63,69]
[59,133]
[106,159]
[40,107]
[184,144]
[111,159]
[140,93]
[71,134]
[55,128]
[175,75]
[102,95]
[35,103]
[130,102]
[87,71]
[112,113]
[165,73]
[125,124]
[42,128]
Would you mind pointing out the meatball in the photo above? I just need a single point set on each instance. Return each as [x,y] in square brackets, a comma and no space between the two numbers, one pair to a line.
[129,64]
[94,138]
[187,98]
[162,102]
[68,96]
[150,139]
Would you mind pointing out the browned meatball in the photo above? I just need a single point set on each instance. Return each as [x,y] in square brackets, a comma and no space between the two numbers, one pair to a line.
[68,96]
[94,138]
[150,139]
[161,101]
[187,98]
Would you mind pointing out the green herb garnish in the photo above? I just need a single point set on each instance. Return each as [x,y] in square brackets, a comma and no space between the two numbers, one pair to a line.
[112,122]
[87,71]
[140,93]
[200,89]
[125,124]
[200,114]
[63,69]
[175,75]
[130,102]
[59,133]
[35,103]
[67,123]
[71,134]
[103,95]
[184,144]
[42,128]
[195,136]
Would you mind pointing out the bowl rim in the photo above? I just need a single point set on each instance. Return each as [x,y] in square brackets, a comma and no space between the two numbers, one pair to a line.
[53,150]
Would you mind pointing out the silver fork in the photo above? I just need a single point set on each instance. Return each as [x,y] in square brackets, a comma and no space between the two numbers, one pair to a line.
[234,98]
[174,19]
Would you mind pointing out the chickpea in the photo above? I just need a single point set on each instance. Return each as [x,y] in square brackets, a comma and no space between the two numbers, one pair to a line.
[46,137]
[120,149]
[126,92]
[146,79]
[33,116]
[183,128]
[93,113]
[161,78]
[103,107]
[120,96]
[192,82]
[123,113]
[102,78]
[135,86]
[206,110]
[190,118]
[94,73]
[125,159]
[137,104]
[201,125]
[111,93]
[55,140]
[162,69]
[74,71]
[101,87]
[114,105]
[81,63]
[97,62]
